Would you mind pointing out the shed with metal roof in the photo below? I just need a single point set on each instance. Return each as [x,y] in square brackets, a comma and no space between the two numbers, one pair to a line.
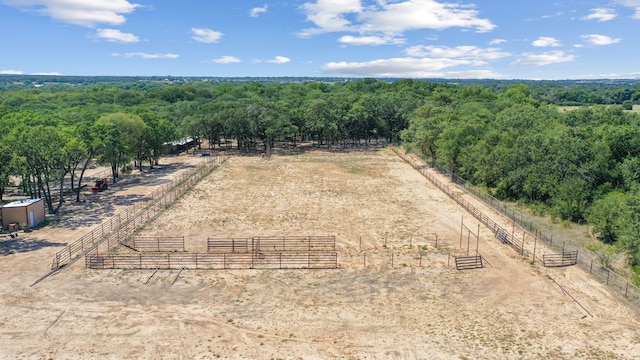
[19,214]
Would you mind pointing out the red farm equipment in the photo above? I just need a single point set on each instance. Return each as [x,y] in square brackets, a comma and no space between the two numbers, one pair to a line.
[101,184]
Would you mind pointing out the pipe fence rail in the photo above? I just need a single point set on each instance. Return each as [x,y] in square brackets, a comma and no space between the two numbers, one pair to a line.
[567,258]
[281,243]
[210,261]
[155,243]
[469,262]
[122,225]
[618,282]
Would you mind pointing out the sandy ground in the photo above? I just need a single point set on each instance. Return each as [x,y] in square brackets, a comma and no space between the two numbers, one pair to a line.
[395,294]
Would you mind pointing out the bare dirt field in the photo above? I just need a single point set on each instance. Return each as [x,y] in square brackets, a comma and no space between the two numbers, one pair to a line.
[395,295]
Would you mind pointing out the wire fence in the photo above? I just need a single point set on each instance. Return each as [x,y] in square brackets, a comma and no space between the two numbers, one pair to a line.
[122,225]
[530,229]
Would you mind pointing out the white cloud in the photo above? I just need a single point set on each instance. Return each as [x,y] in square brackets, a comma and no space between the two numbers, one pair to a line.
[226,60]
[206,35]
[545,41]
[423,14]
[390,17]
[634,4]
[474,53]
[113,35]
[601,14]
[407,67]
[370,40]
[599,40]
[279,60]
[551,57]
[11,72]
[258,10]
[328,15]
[79,12]
[147,55]
[497,41]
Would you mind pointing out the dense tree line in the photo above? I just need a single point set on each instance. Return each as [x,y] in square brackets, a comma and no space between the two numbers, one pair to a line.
[508,137]
[578,165]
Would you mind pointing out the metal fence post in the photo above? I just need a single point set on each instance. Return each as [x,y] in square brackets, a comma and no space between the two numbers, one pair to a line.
[626,289]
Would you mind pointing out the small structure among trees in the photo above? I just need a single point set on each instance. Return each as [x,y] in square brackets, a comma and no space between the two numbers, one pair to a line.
[22,214]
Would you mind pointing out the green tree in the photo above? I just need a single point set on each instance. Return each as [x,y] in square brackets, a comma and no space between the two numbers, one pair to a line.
[426,125]
[606,216]
[7,166]
[119,136]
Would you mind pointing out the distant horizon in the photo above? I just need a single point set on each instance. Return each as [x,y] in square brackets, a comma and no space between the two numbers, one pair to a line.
[319,77]
[416,39]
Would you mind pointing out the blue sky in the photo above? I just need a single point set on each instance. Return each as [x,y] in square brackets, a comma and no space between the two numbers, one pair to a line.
[497,39]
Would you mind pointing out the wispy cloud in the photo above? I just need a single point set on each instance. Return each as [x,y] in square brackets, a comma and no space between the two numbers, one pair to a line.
[547,58]
[256,11]
[279,60]
[545,41]
[633,4]
[205,35]
[390,18]
[371,40]
[599,40]
[631,75]
[473,53]
[147,55]
[497,41]
[11,72]
[113,35]
[408,67]
[88,13]
[226,60]
[601,14]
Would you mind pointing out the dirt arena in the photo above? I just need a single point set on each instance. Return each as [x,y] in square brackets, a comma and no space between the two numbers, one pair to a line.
[395,295]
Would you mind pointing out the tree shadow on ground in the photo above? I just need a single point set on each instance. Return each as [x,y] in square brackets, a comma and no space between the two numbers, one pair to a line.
[97,207]
[89,212]
[22,245]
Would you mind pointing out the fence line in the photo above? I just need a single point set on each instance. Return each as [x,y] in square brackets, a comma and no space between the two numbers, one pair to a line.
[123,224]
[280,243]
[221,261]
[155,243]
[608,276]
